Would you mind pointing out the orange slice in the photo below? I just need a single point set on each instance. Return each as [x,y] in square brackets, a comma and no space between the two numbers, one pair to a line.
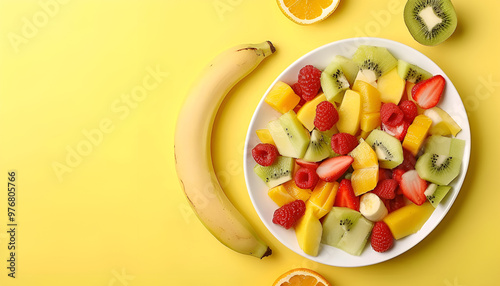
[306,12]
[301,277]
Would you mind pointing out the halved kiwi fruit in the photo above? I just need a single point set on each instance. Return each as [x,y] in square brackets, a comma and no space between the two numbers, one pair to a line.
[430,22]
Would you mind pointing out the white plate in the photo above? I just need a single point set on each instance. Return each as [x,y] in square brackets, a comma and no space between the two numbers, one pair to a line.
[320,58]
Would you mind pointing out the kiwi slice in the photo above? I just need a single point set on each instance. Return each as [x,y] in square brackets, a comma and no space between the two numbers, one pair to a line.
[388,149]
[319,146]
[349,67]
[346,229]
[334,82]
[276,174]
[443,145]
[435,193]
[438,169]
[411,72]
[430,22]
[289,135]
[377,60]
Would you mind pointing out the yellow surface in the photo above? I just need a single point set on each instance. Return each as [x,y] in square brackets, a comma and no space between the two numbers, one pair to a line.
[116,214]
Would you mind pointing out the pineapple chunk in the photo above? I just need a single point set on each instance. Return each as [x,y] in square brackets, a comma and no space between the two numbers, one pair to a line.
[370,105]
[416,134]
[265,136]
[408,219]
[365,165]
[282,98]
[322,198]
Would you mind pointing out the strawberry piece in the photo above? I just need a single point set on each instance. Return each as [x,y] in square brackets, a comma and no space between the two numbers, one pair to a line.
[384,174]
[391,115]
[288,214]
[381,238]
[397,174]
[409,109]
[343,143]
[309,81]
[409,161]
[413,187]
[386,189]
[307,164]
[326,116]
[399,131]
[331,169]
[265,154]
[306,178]
[345,196]
[427,93]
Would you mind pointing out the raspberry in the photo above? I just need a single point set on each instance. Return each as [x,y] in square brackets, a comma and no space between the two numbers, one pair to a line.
[397,174]
[381,239]
[391,115]
[397,203]
[343,143]
[306,178]
[409,161]
[386,189]
[289,214]
[409,109]
[298,91]
[265,154]
[309,81]
[326,116]
[384,174]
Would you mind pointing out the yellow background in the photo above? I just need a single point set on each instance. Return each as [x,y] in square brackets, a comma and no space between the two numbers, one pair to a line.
[117,215]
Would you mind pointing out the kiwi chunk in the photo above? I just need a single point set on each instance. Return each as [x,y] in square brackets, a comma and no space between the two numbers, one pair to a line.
[388,149]
[319,146]
[430,22]
[334,82]
[438,169]
[377,60]
[289,135]
[276,174]
[435,193]
[411,72]
[346,229]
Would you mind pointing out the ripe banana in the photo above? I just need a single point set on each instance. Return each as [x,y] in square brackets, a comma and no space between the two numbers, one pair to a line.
[193,153]
[372,207]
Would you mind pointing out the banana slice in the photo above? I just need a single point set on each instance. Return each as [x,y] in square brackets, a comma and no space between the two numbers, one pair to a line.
[372,207]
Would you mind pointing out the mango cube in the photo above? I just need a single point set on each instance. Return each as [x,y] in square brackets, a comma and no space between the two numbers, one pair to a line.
[391,87]
[349,112]
[322,198]
[416,134]
[307,112]
[370,105]
[282,98]
[296,192]
[365,165]
[265,136]
[308,231]
[408,219]
[280,196]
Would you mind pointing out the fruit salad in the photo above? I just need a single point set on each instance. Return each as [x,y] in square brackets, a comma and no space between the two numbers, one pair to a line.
[361,153]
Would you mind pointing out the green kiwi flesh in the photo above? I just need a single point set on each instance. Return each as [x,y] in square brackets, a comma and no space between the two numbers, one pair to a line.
[430,22]
[435,193]
[289,135]
[334,82]
[276,174]
[319,146]
[346,229]
[438,169]
[375,59]
[411,72]
[388,149]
